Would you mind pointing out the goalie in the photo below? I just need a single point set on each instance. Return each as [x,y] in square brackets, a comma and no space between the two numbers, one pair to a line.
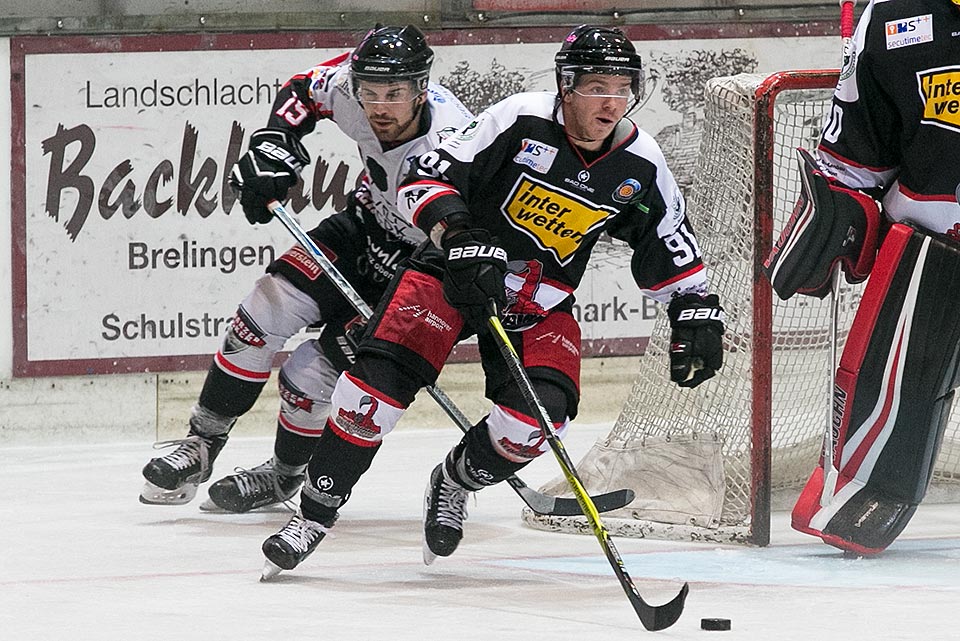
[891,136]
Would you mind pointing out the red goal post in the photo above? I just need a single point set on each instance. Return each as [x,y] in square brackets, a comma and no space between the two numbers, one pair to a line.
[710,464]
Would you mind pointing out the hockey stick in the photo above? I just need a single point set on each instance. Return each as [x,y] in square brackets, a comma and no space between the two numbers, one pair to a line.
[653,617]
[537,501]
[831,466]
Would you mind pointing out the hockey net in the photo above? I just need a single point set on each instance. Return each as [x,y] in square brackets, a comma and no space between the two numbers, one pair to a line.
[710,463]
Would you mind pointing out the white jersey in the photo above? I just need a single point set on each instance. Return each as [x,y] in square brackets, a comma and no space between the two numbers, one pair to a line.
[324,92]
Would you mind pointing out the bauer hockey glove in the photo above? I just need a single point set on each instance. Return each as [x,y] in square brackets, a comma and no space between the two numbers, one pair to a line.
[696,343]
[475,269]
[267,171]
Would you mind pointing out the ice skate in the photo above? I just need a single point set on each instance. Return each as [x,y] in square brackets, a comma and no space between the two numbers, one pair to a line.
[250,489]
[444,511]
[173,479]
[295,541]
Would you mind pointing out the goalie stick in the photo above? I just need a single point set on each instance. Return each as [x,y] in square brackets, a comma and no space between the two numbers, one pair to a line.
[536,501]
[831,463]
[653,617]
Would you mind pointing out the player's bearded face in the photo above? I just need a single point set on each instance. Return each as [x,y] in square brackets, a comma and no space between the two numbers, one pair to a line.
[594,106]
[392,109]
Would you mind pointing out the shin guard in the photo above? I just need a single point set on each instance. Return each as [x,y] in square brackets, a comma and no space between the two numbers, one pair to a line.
[359,419]
[892,397]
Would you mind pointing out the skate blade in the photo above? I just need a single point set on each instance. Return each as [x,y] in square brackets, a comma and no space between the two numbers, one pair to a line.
[428,556]
[269,571]
[279,507]
[154,495]
[210,506]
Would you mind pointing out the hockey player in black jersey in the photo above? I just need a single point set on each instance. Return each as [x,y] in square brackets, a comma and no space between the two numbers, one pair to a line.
[891,136]
[380,96]
[513,205]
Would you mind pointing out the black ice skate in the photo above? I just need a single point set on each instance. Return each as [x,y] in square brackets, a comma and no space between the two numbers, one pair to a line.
[444,511]
[251,489]
[295,541]
[173,479]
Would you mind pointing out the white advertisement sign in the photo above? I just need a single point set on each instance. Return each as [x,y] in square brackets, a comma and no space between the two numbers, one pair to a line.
[136,247]
[130,252]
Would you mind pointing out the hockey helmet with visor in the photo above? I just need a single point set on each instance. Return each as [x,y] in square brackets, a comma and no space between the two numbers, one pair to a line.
[598,50]
[391,55]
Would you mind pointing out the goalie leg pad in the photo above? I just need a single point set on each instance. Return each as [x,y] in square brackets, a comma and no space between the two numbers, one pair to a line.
[894,388]
[829,224]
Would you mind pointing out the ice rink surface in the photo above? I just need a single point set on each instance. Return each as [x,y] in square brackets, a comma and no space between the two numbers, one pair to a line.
[83,559]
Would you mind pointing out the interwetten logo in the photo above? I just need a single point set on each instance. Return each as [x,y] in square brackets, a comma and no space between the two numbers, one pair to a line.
[940,92]
[557,221]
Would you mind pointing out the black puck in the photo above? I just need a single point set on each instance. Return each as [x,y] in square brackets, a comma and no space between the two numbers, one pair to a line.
[714,624]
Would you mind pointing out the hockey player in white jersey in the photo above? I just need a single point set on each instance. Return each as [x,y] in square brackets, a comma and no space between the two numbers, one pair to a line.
[381,97]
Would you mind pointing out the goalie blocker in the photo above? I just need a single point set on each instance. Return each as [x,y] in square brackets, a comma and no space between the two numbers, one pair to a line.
[892,398]
[830,223]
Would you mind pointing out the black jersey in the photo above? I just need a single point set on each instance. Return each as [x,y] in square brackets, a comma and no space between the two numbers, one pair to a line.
[894,125]
[516,173]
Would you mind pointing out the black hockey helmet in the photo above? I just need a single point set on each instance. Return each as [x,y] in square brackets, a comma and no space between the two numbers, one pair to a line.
[388,54]
[601,50]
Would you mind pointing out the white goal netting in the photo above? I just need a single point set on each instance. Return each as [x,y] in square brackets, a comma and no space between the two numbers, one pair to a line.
[708,463]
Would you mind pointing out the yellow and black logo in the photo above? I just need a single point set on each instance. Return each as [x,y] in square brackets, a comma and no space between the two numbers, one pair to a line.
[941,96]
[557,220]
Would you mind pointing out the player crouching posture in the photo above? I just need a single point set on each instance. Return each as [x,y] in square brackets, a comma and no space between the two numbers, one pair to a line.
[888,136]
[514,204]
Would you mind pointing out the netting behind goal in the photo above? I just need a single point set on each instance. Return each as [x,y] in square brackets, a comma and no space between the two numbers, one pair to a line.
[707,463]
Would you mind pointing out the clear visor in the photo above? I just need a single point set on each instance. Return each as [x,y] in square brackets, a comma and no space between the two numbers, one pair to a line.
[375,90]
[603,81]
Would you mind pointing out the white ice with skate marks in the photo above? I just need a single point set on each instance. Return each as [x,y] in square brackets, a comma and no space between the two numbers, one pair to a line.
[83,559]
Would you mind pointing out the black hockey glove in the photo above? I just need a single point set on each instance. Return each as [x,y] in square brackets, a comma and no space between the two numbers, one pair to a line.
[475,269]
[267,171]
[696,344]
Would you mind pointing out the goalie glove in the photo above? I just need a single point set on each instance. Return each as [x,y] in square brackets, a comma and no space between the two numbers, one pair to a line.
[830,224]
[696,343]
[475,269]
[267,171]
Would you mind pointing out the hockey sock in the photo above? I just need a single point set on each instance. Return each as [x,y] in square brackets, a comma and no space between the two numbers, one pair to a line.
[335,468]
[226,395]
[292,451]
[474,462]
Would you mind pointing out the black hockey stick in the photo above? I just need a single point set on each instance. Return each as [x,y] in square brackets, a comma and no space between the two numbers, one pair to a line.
[831,462]
[536,501]
[653,617]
